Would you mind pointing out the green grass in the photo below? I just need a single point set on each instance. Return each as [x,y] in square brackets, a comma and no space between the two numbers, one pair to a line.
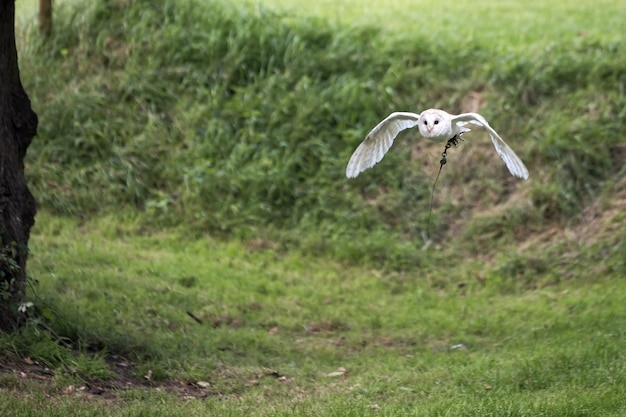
[245,128]
[109,288]
[190,164]
[533,21]
[238,131]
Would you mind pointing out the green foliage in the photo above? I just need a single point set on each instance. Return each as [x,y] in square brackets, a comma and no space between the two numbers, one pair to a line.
[240,120]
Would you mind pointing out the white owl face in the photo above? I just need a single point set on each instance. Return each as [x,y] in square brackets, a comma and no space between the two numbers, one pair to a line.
[433,125]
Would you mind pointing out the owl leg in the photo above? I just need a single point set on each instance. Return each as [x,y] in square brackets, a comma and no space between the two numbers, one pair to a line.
[453,141]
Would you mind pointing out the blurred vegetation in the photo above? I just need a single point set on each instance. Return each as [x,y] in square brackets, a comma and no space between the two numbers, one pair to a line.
[237,120]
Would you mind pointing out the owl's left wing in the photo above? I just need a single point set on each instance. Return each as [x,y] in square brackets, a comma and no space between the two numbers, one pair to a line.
[510,158]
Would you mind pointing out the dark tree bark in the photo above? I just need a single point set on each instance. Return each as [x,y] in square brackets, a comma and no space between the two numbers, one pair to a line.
[45,17]
[18,126]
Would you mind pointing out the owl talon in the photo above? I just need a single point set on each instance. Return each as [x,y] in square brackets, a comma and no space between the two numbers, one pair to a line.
[455,140]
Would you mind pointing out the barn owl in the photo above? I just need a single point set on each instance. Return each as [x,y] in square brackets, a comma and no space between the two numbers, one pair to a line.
[434,124]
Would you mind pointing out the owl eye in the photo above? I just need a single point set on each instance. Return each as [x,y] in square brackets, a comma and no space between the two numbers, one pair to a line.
[436,122]
[425,122]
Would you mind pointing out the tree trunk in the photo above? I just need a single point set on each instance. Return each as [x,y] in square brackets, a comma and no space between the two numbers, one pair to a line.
[18,126]
[45,17]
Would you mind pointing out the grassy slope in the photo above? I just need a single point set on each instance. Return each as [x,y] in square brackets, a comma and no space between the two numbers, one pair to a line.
[541,325]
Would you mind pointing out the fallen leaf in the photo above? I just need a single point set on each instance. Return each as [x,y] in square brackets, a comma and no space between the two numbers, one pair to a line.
[282,378]
[203,384]
[341,371]
[148,376]
[273,330]
[375,407]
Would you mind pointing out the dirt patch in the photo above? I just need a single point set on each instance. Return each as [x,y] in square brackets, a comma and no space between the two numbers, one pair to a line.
[18,374]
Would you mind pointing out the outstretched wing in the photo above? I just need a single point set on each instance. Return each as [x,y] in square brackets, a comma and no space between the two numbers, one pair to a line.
[512,161]
[378,141]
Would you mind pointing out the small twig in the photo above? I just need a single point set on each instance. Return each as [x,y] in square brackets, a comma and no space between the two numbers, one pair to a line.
[190,314]
[54,334]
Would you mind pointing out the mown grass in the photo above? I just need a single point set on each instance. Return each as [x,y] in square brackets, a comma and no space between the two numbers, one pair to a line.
[535,21]
[190,162]
[460,339]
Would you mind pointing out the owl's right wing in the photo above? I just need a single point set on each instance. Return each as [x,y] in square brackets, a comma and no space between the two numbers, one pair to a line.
[378,141]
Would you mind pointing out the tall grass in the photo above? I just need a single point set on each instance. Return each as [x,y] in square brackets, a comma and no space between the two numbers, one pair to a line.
[237,120]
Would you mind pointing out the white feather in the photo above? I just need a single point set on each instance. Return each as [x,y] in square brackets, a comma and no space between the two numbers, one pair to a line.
[510,158]
[378,141]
